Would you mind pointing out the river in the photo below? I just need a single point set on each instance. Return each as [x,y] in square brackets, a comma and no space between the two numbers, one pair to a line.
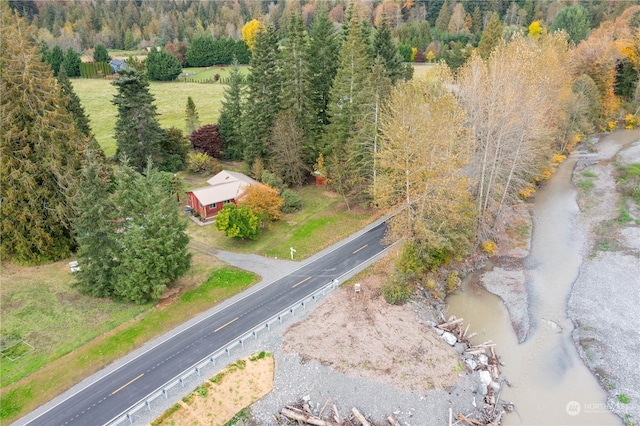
[550,384]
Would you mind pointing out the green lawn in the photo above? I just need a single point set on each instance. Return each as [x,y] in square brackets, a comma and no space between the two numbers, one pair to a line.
[323,221]
[171,102]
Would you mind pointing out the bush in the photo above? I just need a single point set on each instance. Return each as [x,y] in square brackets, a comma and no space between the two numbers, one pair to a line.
[199,162]
[396,293]
[292,201]
[272,180]
[162,66]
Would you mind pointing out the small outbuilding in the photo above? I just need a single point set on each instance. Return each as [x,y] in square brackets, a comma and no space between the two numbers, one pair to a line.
[225,187]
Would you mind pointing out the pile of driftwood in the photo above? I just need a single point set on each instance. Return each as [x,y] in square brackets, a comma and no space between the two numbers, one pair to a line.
[481,358]
[302,413]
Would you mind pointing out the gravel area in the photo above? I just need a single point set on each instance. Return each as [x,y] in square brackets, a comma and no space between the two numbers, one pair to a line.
[605,299]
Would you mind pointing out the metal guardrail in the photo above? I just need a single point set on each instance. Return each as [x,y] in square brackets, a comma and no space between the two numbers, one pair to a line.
[226,349]
[128,416]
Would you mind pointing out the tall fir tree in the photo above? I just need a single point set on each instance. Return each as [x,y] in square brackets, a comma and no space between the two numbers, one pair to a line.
[323,64]
[231,115]
[95,230]
[294,66]
[192,118]
[151,241]
[71,63]
[74,106]
[263,94]
[55,58]
[40,153]
[442,22]
[138,133]
[491,36]
[100,53]
[385,48]
[348,96]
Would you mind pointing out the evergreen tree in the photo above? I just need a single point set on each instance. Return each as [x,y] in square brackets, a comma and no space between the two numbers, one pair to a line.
[162,66]
[200,52]
[263,94]
[192,118]
[348,95]
[40,152]
[138,134]
[230,121]
[574,20]
[95,231]
[294,70]
[491,36]
[385,48]
[323,64]
[151,239]
[174,148]
[73,104]
[71,63]
[55,58]
[442,22]
[100,53]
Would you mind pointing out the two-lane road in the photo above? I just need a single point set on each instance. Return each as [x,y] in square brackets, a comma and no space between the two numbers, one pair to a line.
[104,400]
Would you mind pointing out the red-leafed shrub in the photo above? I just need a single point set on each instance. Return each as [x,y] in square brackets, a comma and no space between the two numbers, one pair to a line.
[207,139]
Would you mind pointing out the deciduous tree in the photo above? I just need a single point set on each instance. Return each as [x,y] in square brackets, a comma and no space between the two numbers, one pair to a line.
[286,149]
[423,150]
[207,139]
[264,201]
[238,222]
[249,31]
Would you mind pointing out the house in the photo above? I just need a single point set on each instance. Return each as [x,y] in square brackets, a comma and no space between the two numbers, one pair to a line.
[117,65]
[225,187]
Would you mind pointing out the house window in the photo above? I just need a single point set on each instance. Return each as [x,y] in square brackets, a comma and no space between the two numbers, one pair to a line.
[227,201]
[212,206]
[200,204]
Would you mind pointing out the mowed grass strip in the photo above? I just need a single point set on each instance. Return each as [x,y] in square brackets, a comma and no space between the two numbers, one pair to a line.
[170,99]
[209,73]
[218,283]
[323,221]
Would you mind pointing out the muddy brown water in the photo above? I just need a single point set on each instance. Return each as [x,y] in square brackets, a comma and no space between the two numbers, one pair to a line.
[550,384]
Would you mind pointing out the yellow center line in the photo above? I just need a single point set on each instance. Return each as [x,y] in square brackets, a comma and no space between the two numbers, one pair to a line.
[306,279]
[223,326]
[360,249]
[127,384]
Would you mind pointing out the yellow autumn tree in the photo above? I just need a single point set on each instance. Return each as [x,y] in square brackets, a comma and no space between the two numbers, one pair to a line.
[264,201]
[535,29]
[249,31]
[423,149]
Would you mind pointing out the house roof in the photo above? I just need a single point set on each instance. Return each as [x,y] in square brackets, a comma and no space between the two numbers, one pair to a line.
[223,186]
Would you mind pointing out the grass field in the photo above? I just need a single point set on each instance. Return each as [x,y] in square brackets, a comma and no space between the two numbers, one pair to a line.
[171,102]
[207,74]
[113,329]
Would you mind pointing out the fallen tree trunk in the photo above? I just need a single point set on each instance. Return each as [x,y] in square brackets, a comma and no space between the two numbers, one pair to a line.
[303,417]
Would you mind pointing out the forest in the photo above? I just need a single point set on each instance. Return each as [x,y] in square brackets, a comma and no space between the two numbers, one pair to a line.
[513,88]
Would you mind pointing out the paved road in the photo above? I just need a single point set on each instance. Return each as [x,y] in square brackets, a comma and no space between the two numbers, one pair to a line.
[104,400]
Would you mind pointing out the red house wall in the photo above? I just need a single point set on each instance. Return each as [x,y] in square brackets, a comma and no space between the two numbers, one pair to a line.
[205,211]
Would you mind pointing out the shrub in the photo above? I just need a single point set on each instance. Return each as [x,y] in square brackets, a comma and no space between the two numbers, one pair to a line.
[272,180]
[199,162]
[162,66]
[629,121]
[489,247]
[292,201]
[396,293]
[452,282]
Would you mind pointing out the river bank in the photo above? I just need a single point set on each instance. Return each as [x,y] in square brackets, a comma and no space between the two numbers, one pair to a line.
[603,302]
